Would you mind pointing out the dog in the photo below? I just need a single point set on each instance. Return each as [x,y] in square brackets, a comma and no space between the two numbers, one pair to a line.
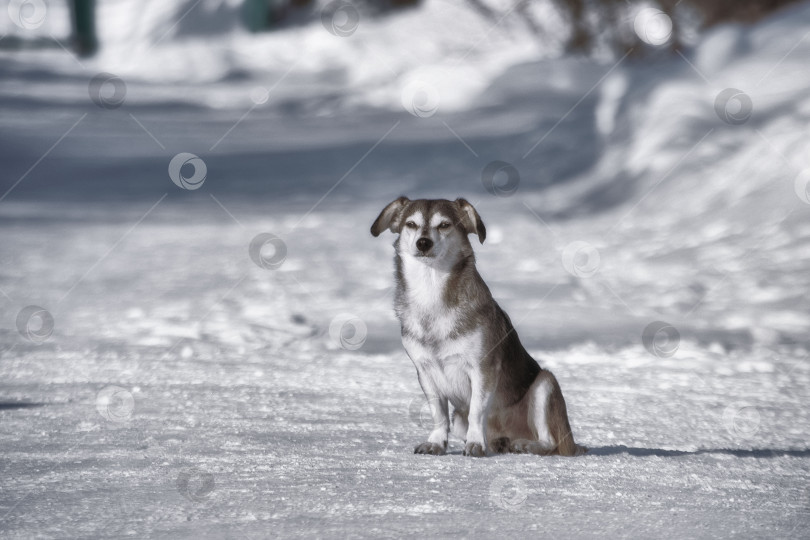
[466,352]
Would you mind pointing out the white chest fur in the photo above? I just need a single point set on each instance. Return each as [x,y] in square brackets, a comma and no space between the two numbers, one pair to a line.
[446,365]
[425,314]
[444,360]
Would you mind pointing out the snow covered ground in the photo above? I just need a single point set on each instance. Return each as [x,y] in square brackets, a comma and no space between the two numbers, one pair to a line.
[193,386]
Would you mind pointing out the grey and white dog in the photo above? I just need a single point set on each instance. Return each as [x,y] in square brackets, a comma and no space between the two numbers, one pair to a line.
[465,349]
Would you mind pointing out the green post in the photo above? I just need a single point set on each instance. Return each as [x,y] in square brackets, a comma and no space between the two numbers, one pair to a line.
[256,14]
[84,26]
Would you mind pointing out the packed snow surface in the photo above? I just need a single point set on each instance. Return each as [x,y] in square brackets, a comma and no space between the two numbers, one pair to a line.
[652,247]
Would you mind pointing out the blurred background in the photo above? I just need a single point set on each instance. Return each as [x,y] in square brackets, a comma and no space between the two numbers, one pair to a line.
[197,330]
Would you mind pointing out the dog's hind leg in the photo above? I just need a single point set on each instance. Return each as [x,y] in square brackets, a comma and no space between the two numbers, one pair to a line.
[548,417]
[525,446]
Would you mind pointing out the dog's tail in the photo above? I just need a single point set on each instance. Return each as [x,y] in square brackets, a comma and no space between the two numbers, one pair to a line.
[557,418]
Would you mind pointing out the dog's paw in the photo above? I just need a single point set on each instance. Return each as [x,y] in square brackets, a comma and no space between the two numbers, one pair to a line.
[524,446]
[520,446]
[474,449]
[430,448]
[501,445]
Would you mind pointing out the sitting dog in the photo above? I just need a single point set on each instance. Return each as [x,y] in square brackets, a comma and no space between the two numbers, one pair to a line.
[465,349]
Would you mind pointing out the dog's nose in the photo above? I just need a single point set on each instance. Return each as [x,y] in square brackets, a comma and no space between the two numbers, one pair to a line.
[424,244]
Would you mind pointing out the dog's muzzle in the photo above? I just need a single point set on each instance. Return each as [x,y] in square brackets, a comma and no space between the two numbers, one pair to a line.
[424,244]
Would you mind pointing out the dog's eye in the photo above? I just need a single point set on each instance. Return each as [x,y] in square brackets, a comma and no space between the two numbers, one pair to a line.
[410,224]
[444,225]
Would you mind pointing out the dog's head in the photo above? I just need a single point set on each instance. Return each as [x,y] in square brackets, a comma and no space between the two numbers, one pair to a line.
[431,229]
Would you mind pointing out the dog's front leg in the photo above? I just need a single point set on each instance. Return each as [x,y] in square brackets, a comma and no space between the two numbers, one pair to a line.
[436,443]
[480,399]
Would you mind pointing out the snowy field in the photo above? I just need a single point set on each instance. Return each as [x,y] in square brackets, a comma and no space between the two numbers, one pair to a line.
[648,233]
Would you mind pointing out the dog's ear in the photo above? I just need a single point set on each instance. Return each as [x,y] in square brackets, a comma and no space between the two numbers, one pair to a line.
[389,217]
[470,219]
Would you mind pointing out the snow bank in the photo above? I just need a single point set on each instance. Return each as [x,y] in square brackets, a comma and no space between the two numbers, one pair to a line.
[446,45]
